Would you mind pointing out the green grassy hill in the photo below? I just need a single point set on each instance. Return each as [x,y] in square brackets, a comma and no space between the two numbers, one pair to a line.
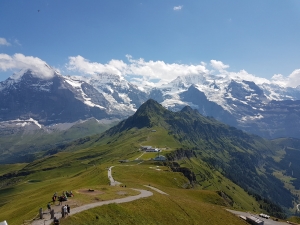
[32,191]
[211,166]
[248,160]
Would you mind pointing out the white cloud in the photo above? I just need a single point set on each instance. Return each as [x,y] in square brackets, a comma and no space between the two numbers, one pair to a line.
[144,72]
[203,63]
[279,79]
[177,8]
[244,75]
[21,62]
[139,70]
[162,70]
[3,41]
[80,64]
[159,70]
[218,65]
[241,75]
[294,79]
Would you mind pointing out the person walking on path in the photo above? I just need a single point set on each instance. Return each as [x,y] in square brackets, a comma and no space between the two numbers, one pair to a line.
[54,197]
[56,221]
[68,209]
[49,206]
[62,212]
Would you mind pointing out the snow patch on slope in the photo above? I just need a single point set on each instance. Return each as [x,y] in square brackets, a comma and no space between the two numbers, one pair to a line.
[245,119]
[24,123]
[76,84]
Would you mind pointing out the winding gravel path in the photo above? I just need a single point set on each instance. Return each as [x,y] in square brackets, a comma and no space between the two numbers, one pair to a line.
[156,189]
[143,194]
[111,179]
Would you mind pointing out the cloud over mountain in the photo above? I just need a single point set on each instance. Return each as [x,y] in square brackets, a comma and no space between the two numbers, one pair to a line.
[158,70]
[140,71]
[218,65]
[293,80]
[19,62]
[144,72]
[82,65]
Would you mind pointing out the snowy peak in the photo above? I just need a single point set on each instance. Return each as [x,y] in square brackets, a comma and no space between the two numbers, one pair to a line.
[188,80]
[67,98]
[106,78]
[237,102]
[29,79]
[245,91]
[58,99]
[218,88]
[108,82]
[122,95]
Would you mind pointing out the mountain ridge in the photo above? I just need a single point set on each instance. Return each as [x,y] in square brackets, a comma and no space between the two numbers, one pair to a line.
[263,109]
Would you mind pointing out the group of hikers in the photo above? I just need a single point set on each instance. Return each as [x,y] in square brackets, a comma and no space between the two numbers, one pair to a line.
[63,197]
[65,210]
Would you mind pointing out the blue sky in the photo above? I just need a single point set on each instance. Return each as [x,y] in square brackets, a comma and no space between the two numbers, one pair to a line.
[261,37]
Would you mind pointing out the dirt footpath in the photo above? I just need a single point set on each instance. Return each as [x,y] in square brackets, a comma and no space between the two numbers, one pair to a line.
[76,209]
[57,209]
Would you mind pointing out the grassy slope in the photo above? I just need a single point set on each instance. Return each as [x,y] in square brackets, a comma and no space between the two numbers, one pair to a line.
[87,168]
[8,168]
[209,179]
[157,210]
[188,205]
[180,206]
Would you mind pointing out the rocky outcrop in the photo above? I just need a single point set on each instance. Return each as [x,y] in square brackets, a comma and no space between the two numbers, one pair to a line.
[180,154]
[175,167]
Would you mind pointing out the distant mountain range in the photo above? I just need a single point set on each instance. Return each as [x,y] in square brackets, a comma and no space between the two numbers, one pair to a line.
[23,141]
[267,110]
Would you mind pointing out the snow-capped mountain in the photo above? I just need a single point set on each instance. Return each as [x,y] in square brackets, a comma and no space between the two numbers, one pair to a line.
[265,109]
[49,100]
[120,93]
[123,97]
[60,99]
